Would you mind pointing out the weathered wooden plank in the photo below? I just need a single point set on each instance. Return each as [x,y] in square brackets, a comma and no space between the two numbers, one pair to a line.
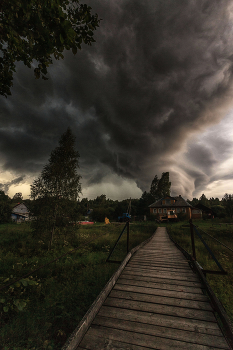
[158,285]
[161,274]
[186,271]
[162,279]
[95,341]
[132,338]
[161,309]
[162,265]
[159,262]
[169,321]
[178,261]
[178,293]
[162,300]
[158,331]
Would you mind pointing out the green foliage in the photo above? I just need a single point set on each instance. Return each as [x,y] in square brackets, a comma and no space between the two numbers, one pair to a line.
[160,187]
[49,316]
[228,204]
[55,192]
[5,212]
[36,30]
[5,208]
[154,187]
[221,285]
[204,201]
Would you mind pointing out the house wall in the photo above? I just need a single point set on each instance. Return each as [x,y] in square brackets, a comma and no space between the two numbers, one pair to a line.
[194,214]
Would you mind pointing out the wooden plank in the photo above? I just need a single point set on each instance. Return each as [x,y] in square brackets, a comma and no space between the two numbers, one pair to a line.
[155,265]
[186,271]
[182,323]
[160,279]
[84,324]
[131,338]
[161,309]
[158,274]
[159,262]
[95,341]
[178,293]
[161,300]
[158,285]
[158,331]
[162,258]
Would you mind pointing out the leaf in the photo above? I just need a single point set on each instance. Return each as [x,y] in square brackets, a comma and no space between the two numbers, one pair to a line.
[2,301]
[24,282]
[61,39]
[7,279]
[20,304]
[32,283]
[5,308]
[74,50]
[17,284]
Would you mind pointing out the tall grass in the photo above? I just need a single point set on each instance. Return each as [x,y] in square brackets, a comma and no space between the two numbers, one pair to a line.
[55,298]
[221,284]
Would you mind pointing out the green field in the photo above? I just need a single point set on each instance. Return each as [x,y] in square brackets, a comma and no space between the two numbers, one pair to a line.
[41,311]
[222,285]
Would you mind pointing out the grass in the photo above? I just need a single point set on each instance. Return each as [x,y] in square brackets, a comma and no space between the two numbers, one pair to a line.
[42,310]
[221,284]
[54,299]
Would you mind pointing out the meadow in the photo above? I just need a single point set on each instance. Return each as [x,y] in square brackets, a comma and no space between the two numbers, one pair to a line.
[41,311]
[222,285]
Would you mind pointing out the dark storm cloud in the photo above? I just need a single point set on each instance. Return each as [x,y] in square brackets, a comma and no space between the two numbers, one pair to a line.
[159,70]
[5,186]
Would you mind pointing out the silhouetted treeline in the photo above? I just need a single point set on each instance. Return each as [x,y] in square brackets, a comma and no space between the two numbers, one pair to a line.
[100,207]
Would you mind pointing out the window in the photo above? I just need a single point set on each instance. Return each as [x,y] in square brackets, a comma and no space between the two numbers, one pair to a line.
[165,210]
[160,210]
[183,210]
[178,210]
[154,211]
[168,201]
[173,209]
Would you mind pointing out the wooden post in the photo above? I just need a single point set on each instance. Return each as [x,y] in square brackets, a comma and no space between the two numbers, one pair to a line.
[127,237]
[192,239]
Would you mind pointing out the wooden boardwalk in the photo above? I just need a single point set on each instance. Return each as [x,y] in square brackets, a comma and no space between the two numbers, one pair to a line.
[156,303]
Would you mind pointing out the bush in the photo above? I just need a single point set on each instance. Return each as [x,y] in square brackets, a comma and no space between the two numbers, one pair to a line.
[181,217]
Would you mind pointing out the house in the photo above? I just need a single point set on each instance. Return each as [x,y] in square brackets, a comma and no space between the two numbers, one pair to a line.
[20,213]
[176,204]
[207,211]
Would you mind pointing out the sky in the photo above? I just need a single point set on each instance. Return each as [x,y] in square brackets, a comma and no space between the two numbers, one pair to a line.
[153,94]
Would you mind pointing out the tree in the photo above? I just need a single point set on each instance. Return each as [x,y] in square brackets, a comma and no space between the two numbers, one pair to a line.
[228,204]
[36,30]
[154,187]
[57,188]
[18,197]
[164,186]
[5,208]
[204,201]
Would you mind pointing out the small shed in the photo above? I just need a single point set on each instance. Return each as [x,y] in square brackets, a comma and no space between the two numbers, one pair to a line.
[20,213]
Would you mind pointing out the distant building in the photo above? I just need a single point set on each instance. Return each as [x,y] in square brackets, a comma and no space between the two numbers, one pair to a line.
[20,213]
[209,212]
[176,204]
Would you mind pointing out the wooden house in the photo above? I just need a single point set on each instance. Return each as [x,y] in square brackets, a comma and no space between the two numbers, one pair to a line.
[20,213]
[177,205]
